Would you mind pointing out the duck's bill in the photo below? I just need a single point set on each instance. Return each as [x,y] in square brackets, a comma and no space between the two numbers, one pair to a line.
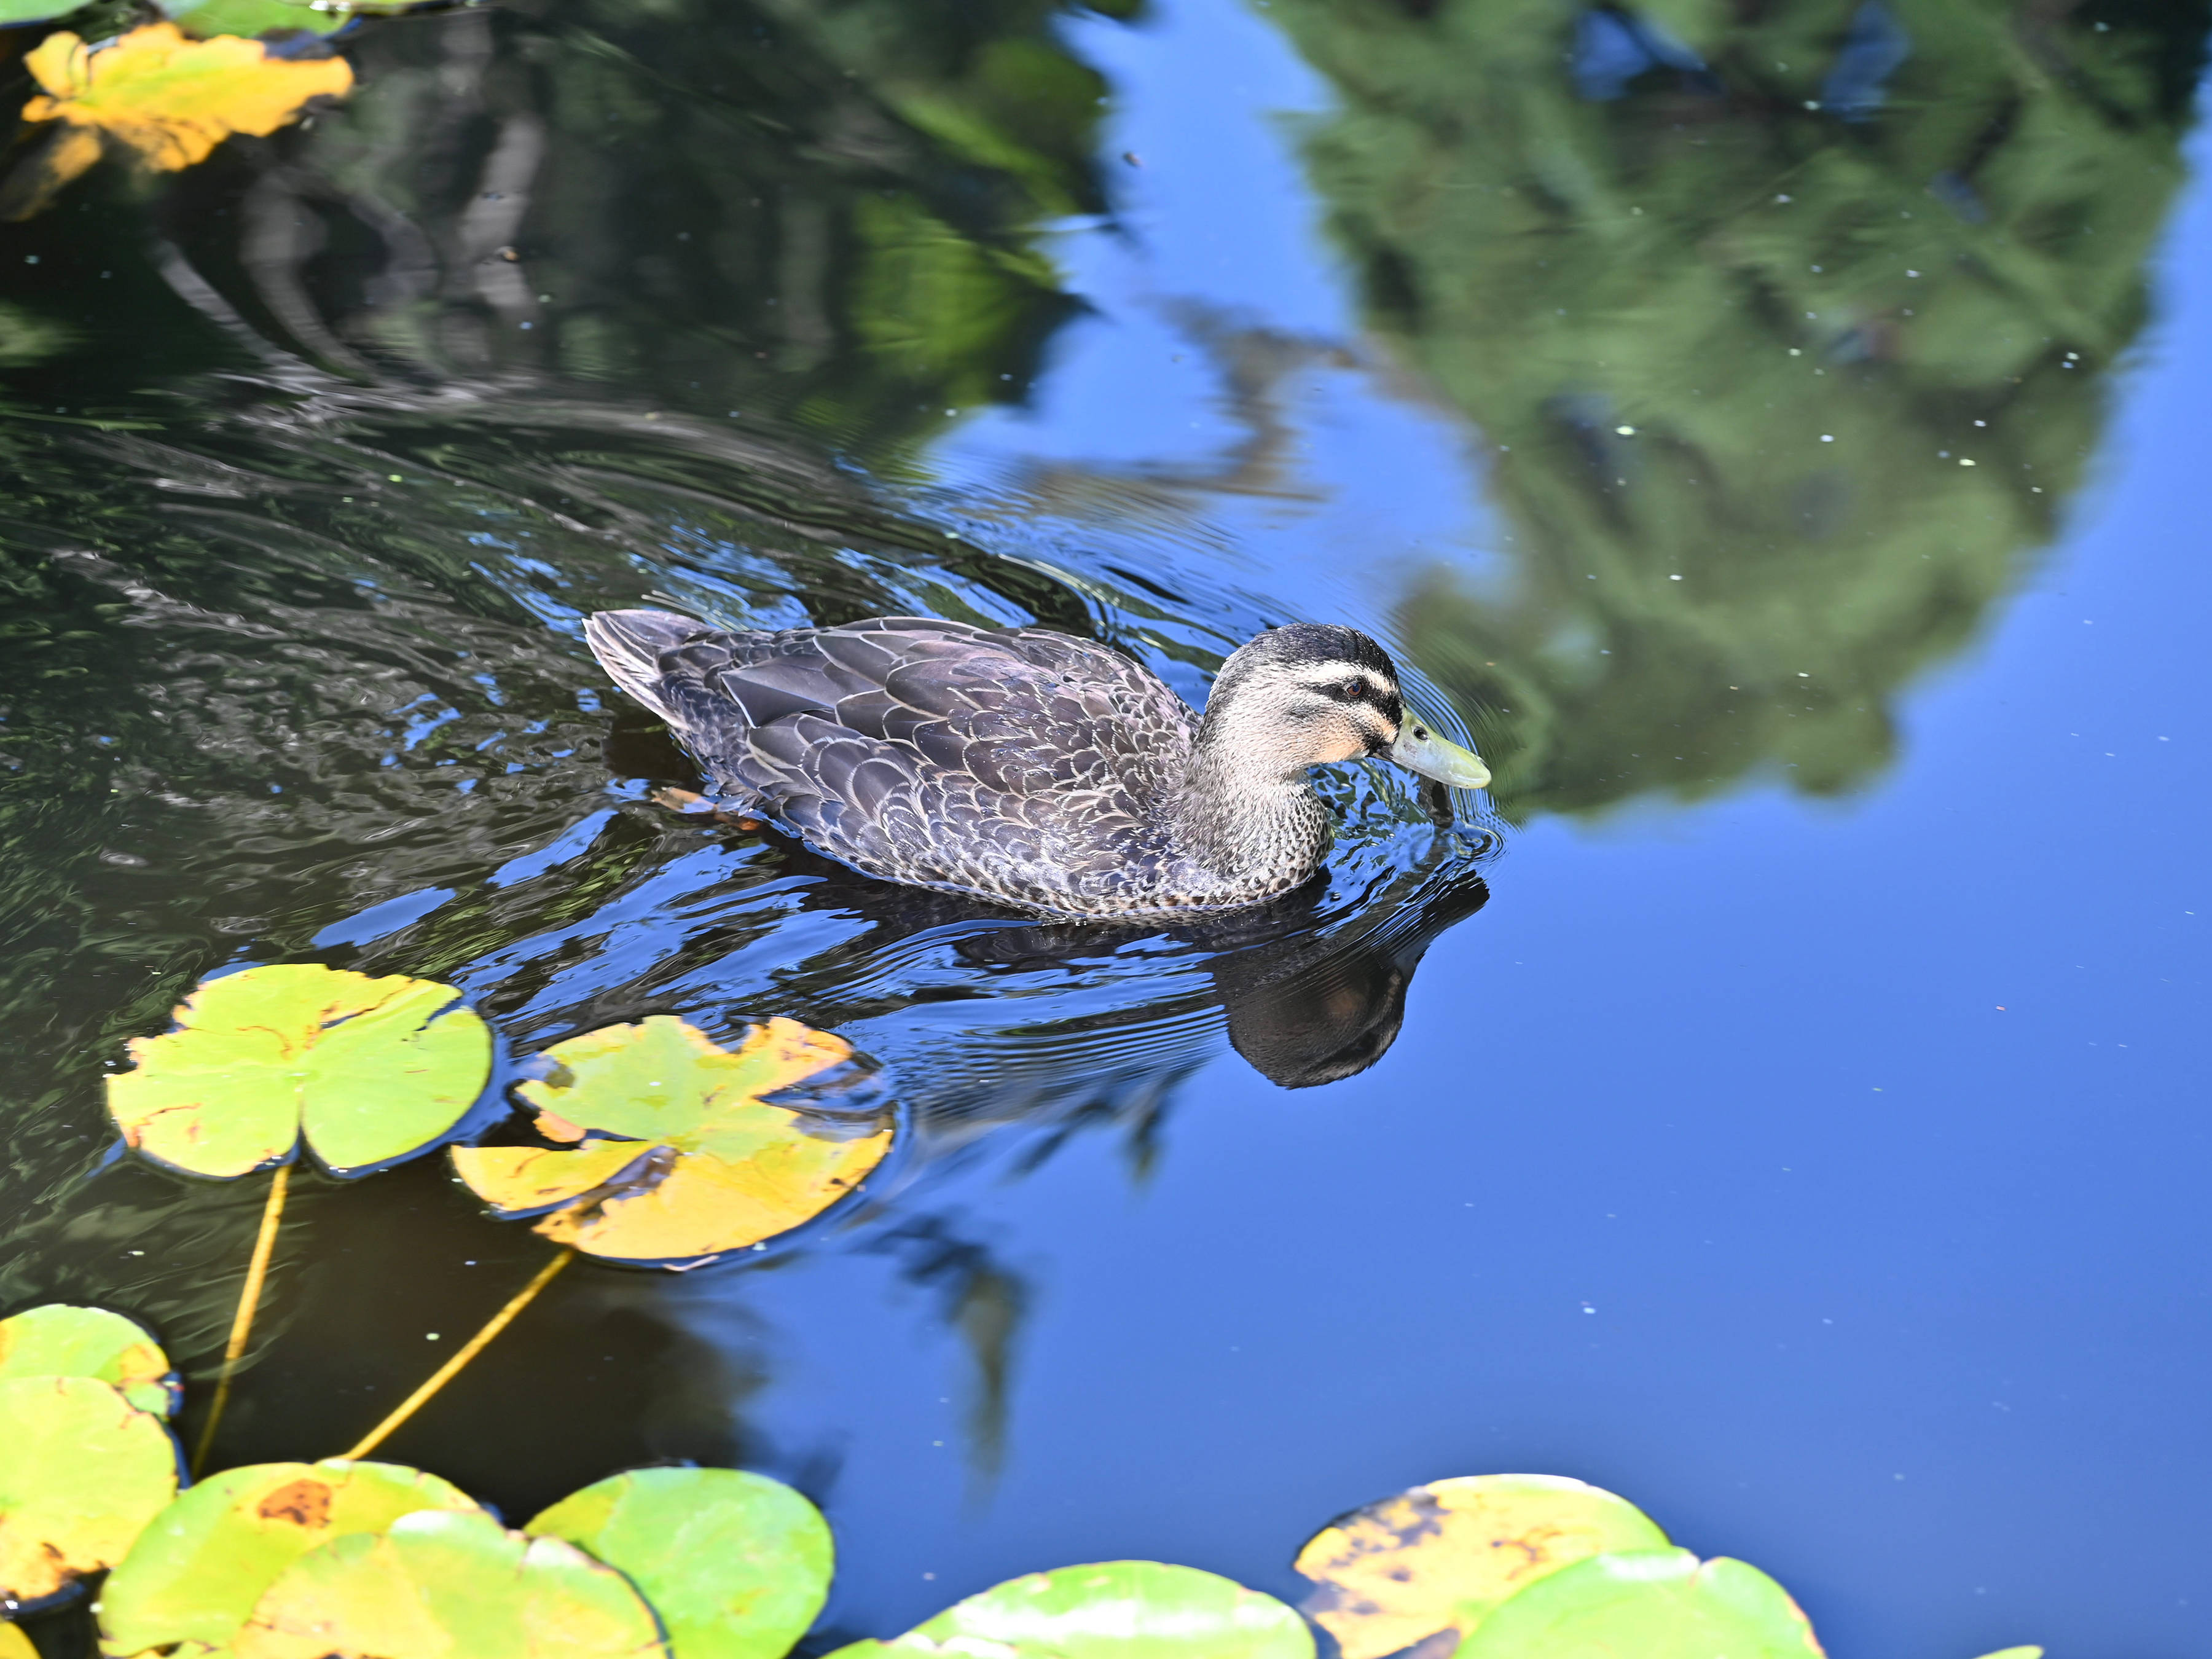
[1420,750]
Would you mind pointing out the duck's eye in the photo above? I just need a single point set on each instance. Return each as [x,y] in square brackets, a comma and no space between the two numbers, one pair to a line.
[1346,690]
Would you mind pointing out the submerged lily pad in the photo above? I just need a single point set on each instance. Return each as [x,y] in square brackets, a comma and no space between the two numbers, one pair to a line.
[1656,1604]
[677,1159]
[59,1340]
[735,1564]
[81,1471]
[1113,1610]
[196,1571]
[440,1585]
[1440,1557]
[371,1069]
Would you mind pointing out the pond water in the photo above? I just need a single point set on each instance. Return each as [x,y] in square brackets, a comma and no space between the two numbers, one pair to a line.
[1795,1122]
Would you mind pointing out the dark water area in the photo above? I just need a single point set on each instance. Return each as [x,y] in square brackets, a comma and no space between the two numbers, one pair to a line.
[1775,440]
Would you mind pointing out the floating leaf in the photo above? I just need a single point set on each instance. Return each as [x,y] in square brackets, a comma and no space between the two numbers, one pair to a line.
[1655,1604]
[440,1585]
[1441,1556]
[1114,1610]
[14,1644]
[58,1340]
[81,1470]
[166,100]
[2015,1653]
[196,1571]
[735,1564]
[371,1068]
[13,14]
[702,1164]
[249,18]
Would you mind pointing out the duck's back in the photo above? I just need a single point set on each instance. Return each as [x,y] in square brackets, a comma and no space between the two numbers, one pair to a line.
[1015,763]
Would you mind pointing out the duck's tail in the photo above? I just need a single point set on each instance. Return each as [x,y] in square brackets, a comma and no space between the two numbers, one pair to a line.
[628,644]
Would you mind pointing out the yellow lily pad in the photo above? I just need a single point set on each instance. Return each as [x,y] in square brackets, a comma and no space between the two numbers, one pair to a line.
[196,1573]
[370,1070]
[81,1472]
[172,101]
[673,1157]
[14,1644]
[59,1340]
[1440,1557]
[441,1585]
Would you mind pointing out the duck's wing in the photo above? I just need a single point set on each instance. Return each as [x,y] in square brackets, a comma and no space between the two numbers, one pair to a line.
[990,759]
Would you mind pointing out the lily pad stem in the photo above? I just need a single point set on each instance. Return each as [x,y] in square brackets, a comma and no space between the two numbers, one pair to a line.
[469,1350]
[249,1302]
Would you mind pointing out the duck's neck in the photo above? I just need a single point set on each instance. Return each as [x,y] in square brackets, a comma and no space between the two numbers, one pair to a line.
[1241,813]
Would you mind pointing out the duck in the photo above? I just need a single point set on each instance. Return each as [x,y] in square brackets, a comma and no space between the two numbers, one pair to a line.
[1026,767]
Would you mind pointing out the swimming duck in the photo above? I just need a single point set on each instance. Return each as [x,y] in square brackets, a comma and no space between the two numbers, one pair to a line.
[1025,766]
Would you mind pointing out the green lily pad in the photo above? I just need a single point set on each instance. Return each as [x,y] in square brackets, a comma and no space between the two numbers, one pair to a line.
[372,1069]
[1656,1604]
[735,1564]
[81,1471]
[196,1573]
[1440,1557]
[673,1155]
[440,1585]
[251,19]
[1114,1610]
[14,1644]
[13,14]
[59,1340]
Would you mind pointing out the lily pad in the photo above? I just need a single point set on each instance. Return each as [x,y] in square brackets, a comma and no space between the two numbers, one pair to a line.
[14,1644]
[250,19]
[1114,1610]
[372,1070]
[735,1564]
[1656,1604]
[673,1157]
[2015,1653]
[440,1585]
[81,1471]
[196,1571]
[166,100]
[1440,1557]
[59,1340]
[13,14]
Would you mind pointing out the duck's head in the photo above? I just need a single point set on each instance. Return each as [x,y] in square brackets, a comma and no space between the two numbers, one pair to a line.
[1312,693]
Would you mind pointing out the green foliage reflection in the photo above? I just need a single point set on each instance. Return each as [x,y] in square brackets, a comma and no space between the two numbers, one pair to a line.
[1785,331]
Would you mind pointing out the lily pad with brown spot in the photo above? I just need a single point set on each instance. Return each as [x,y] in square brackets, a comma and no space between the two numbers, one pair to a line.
[440,1585]
[674,1158]
[60,1341]
[196,1573]
[371,1071]
[1438,1558]
[81,1472]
